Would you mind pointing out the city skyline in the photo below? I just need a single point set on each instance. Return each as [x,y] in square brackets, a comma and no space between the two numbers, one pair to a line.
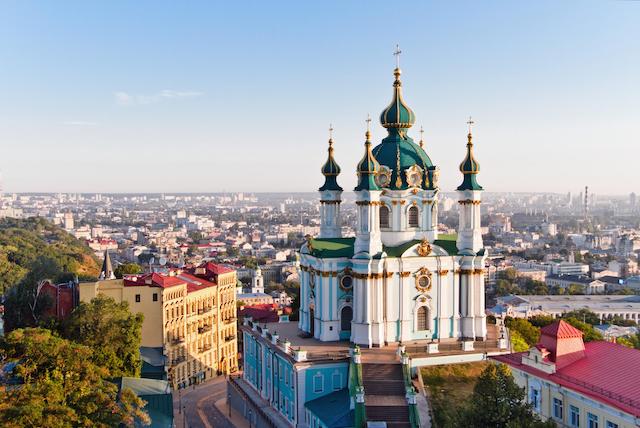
[129,98]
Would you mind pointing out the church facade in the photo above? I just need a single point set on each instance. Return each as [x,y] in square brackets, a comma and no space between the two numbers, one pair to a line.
[398,280]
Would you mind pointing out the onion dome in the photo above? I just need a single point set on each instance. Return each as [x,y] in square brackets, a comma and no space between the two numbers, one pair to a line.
[397,114]
[404,162]
[330,170]
[469,168]
[368,167]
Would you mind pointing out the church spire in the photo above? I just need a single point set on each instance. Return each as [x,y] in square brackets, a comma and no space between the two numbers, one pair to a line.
[367,167]
[107,268]
[470,166]
[330,169]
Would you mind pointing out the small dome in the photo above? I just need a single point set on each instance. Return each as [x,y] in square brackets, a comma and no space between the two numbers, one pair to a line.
[330,170]
[469,168]
[367,169]
[397,114]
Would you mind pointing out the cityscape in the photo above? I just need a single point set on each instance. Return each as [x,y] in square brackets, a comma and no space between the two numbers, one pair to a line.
[389,286]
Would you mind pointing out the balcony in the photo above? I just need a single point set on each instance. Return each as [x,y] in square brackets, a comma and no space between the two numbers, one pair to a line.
[204,329]
[178,360]
[177,341]
[229,338]
[205,348]
[229,320]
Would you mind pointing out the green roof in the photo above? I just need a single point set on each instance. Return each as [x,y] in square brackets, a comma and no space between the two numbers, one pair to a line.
[448,243]
[330,170]
[158,396]
[469,168]
[327,248]
[333,409]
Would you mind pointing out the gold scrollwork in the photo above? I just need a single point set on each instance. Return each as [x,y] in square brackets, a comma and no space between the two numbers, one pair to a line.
[423,280]
[424,249]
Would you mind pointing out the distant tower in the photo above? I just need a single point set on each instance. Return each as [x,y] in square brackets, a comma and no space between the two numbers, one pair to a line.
[68,220]
[330,192]
[586,202]
[257,281]
[107,268]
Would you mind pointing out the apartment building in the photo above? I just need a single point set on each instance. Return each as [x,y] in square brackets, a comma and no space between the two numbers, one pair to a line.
[189,314]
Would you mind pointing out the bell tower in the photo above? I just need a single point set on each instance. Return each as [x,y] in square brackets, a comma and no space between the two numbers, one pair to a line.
[469,231]
[330,192]
[368,237]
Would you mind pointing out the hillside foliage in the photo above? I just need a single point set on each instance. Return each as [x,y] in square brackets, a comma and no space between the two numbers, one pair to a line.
[25,243]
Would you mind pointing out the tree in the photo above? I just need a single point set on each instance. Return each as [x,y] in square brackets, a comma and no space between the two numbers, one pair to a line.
[527,331]
[575,289]
[510,274]
[632,341]
[498,402]
[541,320]
[590,333]
[60,386]
[127,269]
[111,330]
[23,305]
[518,344]
[584,315]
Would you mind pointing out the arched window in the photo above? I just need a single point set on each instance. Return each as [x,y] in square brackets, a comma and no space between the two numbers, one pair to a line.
[423,318]
[413,216]
[384,217]
[346,315]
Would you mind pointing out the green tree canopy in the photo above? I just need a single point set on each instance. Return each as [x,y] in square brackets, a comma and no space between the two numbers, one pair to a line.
[61,386]
[498,402]
[590,333]
[527,331]
[584,315]
[111,330]
[127,269]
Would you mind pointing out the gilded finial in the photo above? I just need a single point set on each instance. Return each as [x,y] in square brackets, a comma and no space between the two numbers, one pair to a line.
[330,133]
[368,133]
[421,136]
[470,122]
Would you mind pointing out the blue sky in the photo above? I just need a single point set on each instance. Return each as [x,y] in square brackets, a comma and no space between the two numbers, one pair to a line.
[237,96]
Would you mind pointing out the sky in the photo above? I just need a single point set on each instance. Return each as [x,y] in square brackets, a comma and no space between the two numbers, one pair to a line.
[154,96]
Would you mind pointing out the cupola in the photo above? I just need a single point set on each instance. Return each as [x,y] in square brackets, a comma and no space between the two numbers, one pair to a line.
[330,169]
[367,167]
[469,166]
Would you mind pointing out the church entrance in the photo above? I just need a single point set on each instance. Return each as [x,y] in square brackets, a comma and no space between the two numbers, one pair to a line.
[346,315]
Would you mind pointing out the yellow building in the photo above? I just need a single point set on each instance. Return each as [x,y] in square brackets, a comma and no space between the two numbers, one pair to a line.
[577,384]
[190,315]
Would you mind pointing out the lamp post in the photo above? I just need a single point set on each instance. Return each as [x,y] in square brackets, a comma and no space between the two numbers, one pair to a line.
[250,419]
[229,403]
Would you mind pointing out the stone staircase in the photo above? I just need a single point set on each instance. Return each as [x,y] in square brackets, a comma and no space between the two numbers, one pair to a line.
[385,394]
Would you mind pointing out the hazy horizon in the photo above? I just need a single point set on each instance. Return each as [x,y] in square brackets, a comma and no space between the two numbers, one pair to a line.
[157,97]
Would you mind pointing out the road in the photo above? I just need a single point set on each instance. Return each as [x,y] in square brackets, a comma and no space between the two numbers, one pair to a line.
[198,405]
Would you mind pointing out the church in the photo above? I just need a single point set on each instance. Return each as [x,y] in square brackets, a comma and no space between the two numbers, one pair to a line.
[398,280]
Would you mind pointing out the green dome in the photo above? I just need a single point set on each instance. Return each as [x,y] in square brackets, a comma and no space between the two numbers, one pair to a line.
[469,168]
[330,170]
[397,114]
[367,169]
[398,152]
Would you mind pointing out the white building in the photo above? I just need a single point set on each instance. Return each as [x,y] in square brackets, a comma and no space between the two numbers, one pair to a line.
[398,280]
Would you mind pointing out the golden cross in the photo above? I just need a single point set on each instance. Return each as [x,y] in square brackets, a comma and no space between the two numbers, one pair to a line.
[470,122]
[397,53]
[421,136]
[330,131]
[368,122]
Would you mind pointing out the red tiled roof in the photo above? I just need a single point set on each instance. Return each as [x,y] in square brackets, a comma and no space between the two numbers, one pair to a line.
[151,280]
[216,268]
[561,330]
[194,283]
[608,372]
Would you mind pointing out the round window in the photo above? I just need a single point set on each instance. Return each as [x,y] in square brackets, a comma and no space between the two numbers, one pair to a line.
[424,282]
[346,282]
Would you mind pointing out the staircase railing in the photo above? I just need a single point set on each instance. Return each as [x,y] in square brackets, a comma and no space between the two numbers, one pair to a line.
[356,388]
[414,417]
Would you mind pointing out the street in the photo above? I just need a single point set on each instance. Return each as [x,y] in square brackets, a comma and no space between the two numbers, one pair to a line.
[199,405]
